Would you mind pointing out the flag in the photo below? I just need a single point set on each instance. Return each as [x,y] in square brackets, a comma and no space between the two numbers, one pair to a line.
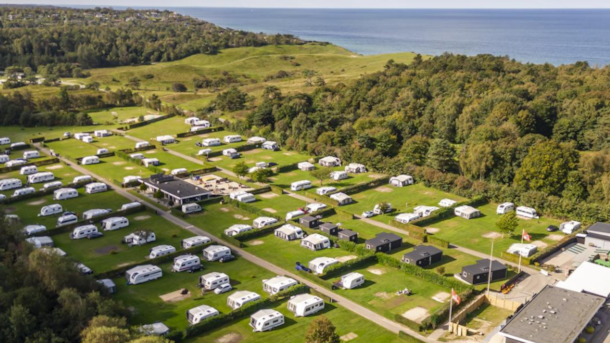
[456,298]
[527,237]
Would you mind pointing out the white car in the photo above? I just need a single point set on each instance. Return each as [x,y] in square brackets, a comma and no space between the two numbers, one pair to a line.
[225,287]
[367,214]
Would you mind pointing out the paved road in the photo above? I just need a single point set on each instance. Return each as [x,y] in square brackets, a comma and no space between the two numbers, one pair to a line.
[348,304]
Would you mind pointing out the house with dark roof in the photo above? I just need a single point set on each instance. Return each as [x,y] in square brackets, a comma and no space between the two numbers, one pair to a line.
[348,235]
[423,256]
[176,190]
[477,273]
[384,242]
[598,235]
[329,229]
[309,222]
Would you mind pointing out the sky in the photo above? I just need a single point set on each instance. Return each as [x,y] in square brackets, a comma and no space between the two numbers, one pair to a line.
[331,3]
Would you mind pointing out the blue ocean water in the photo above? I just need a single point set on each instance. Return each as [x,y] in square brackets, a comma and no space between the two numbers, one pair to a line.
[538,36]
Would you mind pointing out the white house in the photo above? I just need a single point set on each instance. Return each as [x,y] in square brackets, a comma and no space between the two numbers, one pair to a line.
[319,264]
[240,298]
[342,198]
[289,232]
[447,203]
[355,168]
[329,161]
[278,284]
[467,212]
[305,304]
[306,166]
[401,180]
[315,242]
[265,320]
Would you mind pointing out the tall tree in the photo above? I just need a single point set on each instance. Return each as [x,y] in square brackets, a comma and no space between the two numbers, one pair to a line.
[507,224]
[441,156]
[321,330]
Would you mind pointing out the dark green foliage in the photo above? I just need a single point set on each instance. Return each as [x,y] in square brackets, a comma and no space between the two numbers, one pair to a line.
[231,100]
[178,87]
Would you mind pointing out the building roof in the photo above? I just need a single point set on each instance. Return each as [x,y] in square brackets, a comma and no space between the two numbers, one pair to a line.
[482,266]
[589,278]
[328,226]
[308,218]
[603,228]
[555,315]
[383,238]
[423,251]
[348,233]
[175,187]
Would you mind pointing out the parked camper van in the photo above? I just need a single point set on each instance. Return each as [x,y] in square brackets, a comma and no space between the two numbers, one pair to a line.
[15,163]
[8,184]
[54,184]
[246,198]
[32,229]
[278,284]
[194,241]
[377,209]
[527,212]
[82,179]
[50,210]
[179,171]
[147,162]
[303,305]
[351,280]
[31,154]
[114,223]
[199,313]
[504,208]
[41,177]
[41,242]
[262,222]
[5,140]
[240,298]
[569,227]
[317,265]
[339,175]
[23,191]
[130,205]
[270,145]
[83,231]
[161,250]
[101,151]
[140,145]
[67,220]
[141,274]
[187,263]
[300,185]
[137,156]
[96,187]
[232,139]
[211,142]
[236,229]
[90,214]
[265,320]
[27,170]
[4,158]
[213,280]
[87,139]
[90,160]
[137,239]
[191,208]
[108,284]
[216,252]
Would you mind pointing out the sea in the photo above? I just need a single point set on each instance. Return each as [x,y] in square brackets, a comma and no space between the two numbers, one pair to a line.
[537,36]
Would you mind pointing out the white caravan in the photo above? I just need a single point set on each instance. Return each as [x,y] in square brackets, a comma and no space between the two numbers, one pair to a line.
[143,273]
[108,284]
[102,133]
[278,284]
[527,212]
[211,142]
[246,198]
[50,210]
[229,152]
[234,195]
[137,238]
[82,179]
[424,211]
[232,138]
[215,252]
[447,203]
[184,263]
[67,220]
[213,280]
[256,140]
[53,184]
[262,222]
[525,250]
[80,135]
[130,205]
[96,187]
[406,217]
[339,175]
[199,313]
[96,212]
[5,140]
[140,145]
[90,160]
[41,177]
[569,227]
[190,120]
[24,191]
[101,151]
[319,264]
[315,242]
[32,229]
[166,139]
[303,305]
[204,152]
[505,207]
[131,178]
[401,180]
[351,280]
[15,163]
[289,232]
[83,231]
[194,241]
[4,158]
[137,156]
[147,162]
[191,208]
[300,185]
[236,229]
[329,161]
[201,123]
[240,298]
[294,214]
[7,184]
[316,206]
[31,154]
[161,250]
[41,242]
[179,171]
[27,170]
[87,139]
[265,320]
[377,209]
[114,223]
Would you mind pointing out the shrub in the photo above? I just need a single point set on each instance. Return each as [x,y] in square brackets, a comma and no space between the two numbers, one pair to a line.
[440,270]
[590,330]
[158,194]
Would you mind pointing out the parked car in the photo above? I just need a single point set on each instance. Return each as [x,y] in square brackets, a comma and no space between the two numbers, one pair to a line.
[552,228]
[95,235]
[199,144]
[367,214]
[226,258]
[195,269]
[225,287]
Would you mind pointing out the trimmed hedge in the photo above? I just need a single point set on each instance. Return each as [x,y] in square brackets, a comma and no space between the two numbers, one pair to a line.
[205,170]
[408,323]
[200,132]
[515,258]
[315,279]
[277,190]
[408,227]
[548,251]
[438,242]
[287,168]
[21,147]
[35,163]
[339,269]
[321,198]
[360,187]
[108,154]
[442,314]
[255,233]
[231,240]
[249,208]
[37,140]
[144,123]
[260,190]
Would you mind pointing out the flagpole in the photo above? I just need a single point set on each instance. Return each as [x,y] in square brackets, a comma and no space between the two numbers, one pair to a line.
[522,233]
[450,308]
[490,261]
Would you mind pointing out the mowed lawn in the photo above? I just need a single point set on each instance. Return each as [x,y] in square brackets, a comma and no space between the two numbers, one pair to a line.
[116,115]
[277,205]
[115,142]
[281,158]
[24,134]
[74,148]
[477,233]
[62,173]
[168,161]
[149,307]
[116,168]
[168,126]
[216,218]
[187,145]
[284,180]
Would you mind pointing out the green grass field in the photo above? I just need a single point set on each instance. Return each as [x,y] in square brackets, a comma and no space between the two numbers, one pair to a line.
[24,134]
[114,143]
[285,179]
[74,148]
[277,205]
[169,126]
[168,161]
[62,173]
[116,168]
[187,145]
[282,158]
[116,115]
[216,218]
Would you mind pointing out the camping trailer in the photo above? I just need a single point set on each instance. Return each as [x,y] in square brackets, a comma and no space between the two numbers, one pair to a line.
[355,168]
[143,273]
[137,238]
[289,232]
[188,263]
[262,222]
[504,208]
[96,187]
[232,139]
[270,145]
[27,170]
[278,284]
[424,211]
[265,320]
[90,160]
[401,180]
[108,284]
[32,229]
[4,158]
[240,298]
[102,133]
[467,212]
[246,198]
[15,163]
[166,139]
[525,250]
[211,142]
[199,313]
[300,185]
[303,305]
[351,280]
[147,162]
[179,171]
[191,208]
[41,177]
[306,166]
[53,184]
[41,242]
[204,152]
[315,242]
[140,145]
[338,175]
[17,144]
[527,212]
[67,220]
[256,140]
[50,210]
[236,229]
[342,198]
[213,280]
[569,227]
[114,223]
[377,209]
[8,184]
[137,156]
[65,193]
[131,179]
[87,139]
[234,195]
[318,264]
[82,179]
[329,161]
[161,250]
[215,252]
[96,212]
[31,154]
[190,120]
[23,191]
[229,152]
[201,123]
[194,241]
[294,214]
[130,205]
[83,231]
[5,140]
[447,203]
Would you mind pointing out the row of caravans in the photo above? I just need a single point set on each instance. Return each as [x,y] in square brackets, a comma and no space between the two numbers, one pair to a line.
[242,196]
[8,184]
[522,211]
[69,193]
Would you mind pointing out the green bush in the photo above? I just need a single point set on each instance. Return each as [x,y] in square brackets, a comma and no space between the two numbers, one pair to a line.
[342,268]
[438,242]
[158,194]
[589,329]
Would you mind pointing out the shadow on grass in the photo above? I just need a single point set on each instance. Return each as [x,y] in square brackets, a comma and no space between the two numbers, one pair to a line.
[444,260]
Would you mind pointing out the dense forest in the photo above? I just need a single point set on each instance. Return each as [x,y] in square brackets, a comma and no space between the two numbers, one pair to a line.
[54,40]
[473,125]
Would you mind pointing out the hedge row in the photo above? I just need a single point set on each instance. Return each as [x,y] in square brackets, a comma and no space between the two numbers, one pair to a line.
[548,251]
[35,163]
[200,132]
[287,168]
[358,249]
[321,198]
[205,170]
[40,193]
[231,240]
[360,187]
[408,227]
[255,233]
[21,147]
[249,208]
[134,150]
[260,190]
[438,242]
[277,190]
[133,126]
[408,323]
[347,266]
[36,140]
[51,140]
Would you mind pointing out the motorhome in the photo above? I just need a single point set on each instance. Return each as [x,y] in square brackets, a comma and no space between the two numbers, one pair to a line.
[447,203]
[504,208]
[278,284]
[32,229]
[17,145]
[265,320]
[8,184]
[256,140]
[315,242]
[161,250]
[325,190]
[240,298]
[338,175]
[199,313]
[96,187]
[166,139]
[236,229]
[232,139]
[4,158]
[50,210]
[289,232]
[23,191]
[215,252]
[101,151]
[31,154]
[131,179]
[179,171]
[569,227]
[303,305]
[424,211]
[293,214]
[27,170]
[139,238]
[351,280]
[143,273]
[67,220]
[54,184]
[41,177]
[87,139]
[102,133]
[15,163]
[130,205]
[140,145]
[41,242]
[186,263]
[96,212]
[246,198]
[213,280]
[147,162]
[527,212]
[82,179]
[191,208]
[300,185]
[194,241]
[90,160]
[5,140]
[262,222]
[317,265]
[137,156]
[114,223]
[229,152]
[83,231]
[211,142]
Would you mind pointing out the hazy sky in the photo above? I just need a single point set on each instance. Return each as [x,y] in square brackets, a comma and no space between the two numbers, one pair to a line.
[333,3]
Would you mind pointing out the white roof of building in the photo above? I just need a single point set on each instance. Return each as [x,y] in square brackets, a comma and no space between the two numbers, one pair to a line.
[243,295]
[266,314]
[316,238]
[590,278]
[280,281]
[340,196]
[306,299]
